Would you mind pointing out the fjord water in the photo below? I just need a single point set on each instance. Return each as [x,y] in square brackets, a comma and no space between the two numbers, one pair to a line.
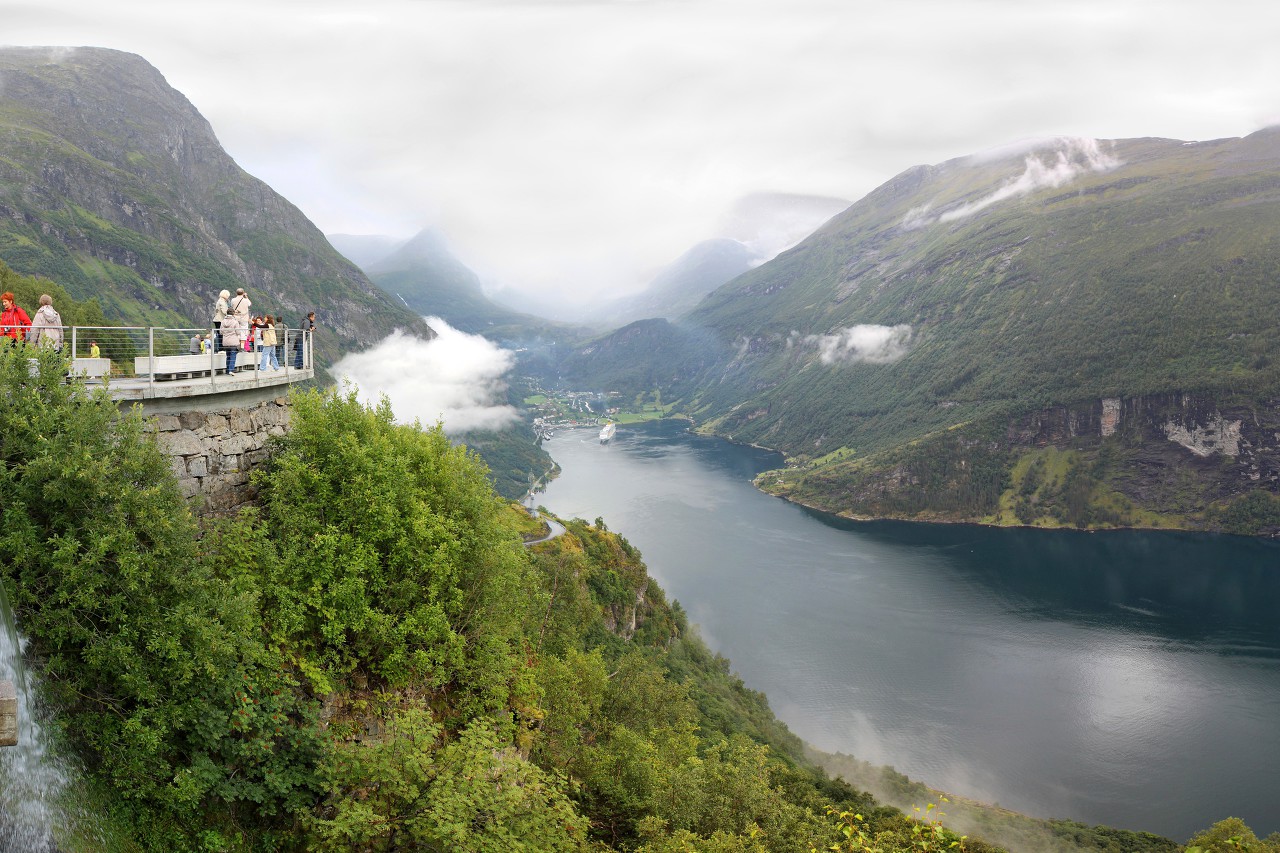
[1127,678]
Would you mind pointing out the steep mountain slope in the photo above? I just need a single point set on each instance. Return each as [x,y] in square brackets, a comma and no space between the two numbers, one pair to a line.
[983,290]
[112,184]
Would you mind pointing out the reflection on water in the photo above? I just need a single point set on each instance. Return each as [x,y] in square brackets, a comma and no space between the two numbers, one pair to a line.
[1127,678]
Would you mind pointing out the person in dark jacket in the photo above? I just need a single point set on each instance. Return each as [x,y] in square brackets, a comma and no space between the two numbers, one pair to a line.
[306,327]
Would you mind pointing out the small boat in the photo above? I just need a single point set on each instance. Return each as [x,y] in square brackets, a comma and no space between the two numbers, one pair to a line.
[606,433]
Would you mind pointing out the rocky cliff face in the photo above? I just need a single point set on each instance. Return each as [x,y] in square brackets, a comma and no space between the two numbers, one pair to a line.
[1170,460]
[1225,447]
[114,185]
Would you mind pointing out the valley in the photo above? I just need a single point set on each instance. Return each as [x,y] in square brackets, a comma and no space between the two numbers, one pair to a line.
[1073,334]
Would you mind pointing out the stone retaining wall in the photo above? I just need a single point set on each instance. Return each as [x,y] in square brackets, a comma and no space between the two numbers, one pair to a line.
[8,714]
[214,451]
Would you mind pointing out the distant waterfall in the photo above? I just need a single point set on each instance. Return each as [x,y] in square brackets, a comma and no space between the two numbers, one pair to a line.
[32,780]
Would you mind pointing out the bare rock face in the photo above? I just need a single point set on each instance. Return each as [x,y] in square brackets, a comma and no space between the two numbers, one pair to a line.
[1216,436]
[1110,415]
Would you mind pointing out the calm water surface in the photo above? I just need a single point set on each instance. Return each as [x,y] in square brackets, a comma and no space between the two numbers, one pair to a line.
[1125,678]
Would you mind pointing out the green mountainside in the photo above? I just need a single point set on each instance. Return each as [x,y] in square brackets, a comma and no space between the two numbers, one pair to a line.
[640,356]
[914,354]
[113,185]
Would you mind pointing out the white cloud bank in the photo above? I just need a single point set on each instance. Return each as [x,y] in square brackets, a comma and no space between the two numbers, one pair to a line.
[869,343]
[1073,157]
[456,378]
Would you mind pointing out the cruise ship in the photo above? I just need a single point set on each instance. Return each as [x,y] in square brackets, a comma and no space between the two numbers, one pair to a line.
[607,431]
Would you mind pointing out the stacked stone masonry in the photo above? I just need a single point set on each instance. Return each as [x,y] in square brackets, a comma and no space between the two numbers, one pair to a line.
[215,452]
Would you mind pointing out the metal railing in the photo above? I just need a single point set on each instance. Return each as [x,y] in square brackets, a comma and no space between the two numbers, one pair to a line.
[153,355]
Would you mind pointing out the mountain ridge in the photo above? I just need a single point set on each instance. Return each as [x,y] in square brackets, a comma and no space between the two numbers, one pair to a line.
[114,185]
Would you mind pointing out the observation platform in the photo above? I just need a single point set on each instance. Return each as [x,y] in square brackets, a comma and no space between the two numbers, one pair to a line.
[156,368]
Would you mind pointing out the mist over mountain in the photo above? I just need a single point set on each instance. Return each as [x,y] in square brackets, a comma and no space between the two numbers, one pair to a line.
[681,285]
[424,275]
[770,223]
[755,229]
[365,250]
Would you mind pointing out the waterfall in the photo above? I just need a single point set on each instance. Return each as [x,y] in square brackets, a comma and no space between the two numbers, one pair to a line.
[32,779]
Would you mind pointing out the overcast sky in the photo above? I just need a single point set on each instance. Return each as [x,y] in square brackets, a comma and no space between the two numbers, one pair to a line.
[585,143]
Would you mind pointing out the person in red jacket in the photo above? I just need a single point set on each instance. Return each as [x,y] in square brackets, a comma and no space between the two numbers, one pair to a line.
[14,322]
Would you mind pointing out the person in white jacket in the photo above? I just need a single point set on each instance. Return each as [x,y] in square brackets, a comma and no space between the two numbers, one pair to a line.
[46,326]
[219,311]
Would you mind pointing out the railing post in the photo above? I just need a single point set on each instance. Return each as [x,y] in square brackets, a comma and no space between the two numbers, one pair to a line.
[151,359]
[8,714]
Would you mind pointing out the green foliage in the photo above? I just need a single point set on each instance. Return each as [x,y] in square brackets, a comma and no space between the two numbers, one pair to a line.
[921,833]
[142,646]
[1109,839]
[961,472]
[387,552]
[547,698]
[1248,515]
[28,289]
[513,455]
[1229,835]
[413,787]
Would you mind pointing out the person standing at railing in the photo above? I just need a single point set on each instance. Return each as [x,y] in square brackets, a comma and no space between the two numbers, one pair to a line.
[14,322]
[240,306]
[46,328]
[269,342]
[307,326]
[219,311]
[280,334]
[94,351]
[230,341]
